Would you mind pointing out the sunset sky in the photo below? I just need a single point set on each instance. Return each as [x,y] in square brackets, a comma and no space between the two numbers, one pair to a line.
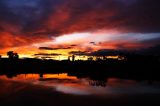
[59,27]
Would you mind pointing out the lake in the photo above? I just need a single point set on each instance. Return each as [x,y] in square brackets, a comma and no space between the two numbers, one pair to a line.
[68,84]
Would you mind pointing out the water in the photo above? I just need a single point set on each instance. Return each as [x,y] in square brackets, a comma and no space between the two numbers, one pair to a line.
[68,84]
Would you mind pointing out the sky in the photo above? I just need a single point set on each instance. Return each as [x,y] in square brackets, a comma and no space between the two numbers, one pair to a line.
[60,27]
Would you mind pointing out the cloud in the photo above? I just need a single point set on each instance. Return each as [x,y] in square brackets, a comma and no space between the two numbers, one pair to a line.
[61,16]
[105,52]
[73,45]
[130,41]
[8,40]
[30,21]
[88,15]
[47,54]
[58,48]
[150,51]
[93,43]
[79,53]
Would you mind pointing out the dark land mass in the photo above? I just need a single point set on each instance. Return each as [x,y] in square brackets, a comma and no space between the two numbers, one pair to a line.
[23,94]
[133,67]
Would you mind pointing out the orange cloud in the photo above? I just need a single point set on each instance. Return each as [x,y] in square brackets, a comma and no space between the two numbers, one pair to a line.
[37,24]
[9,40]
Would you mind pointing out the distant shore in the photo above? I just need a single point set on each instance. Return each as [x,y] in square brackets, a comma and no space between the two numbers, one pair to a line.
[140,68]
[18,93]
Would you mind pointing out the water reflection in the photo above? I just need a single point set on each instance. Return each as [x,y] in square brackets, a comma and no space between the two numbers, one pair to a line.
[57,76]
[85,86]
[97,83]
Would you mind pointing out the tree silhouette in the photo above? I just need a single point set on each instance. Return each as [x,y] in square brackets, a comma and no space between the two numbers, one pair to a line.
[12,55]
[16,56]
[73,57]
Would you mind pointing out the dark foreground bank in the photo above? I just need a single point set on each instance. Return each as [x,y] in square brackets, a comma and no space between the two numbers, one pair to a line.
[24,94]
[138,68]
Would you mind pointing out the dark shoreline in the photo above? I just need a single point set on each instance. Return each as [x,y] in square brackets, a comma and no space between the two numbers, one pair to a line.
[131,69]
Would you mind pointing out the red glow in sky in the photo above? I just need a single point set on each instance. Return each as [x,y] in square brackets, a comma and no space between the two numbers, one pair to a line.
[59,27]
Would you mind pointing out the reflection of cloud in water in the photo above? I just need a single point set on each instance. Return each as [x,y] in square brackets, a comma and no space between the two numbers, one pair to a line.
[71,90]
[59,76]
[72,85]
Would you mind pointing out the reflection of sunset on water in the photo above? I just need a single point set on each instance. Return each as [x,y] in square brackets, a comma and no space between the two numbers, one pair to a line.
[84,86]
[37,76]
[60,76]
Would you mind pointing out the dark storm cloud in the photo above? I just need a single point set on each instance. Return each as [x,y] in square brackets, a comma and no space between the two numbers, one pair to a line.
[105,52]
[151,51]
[143,16]
[48,18]
[129,16]
[28,16]
[23,16]
[20,19]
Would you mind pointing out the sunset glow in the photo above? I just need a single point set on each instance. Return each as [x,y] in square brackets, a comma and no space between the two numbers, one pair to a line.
[68,27]
[79,52]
